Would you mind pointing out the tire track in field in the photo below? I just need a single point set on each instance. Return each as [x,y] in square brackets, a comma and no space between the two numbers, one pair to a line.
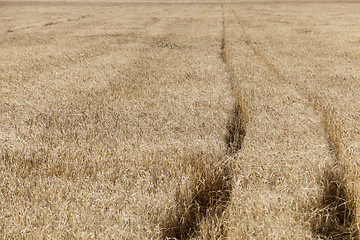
[84,48]
[337,210]
[210,201]
[237,129]
[48,23]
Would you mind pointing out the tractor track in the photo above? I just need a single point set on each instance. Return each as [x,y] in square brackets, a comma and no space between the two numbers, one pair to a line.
[212,198]
[337,207]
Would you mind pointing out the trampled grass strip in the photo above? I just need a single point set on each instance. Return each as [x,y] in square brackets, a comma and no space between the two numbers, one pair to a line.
[337,213]
[212,190]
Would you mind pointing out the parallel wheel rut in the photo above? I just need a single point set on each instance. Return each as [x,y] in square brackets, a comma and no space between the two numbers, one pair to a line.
[337,210]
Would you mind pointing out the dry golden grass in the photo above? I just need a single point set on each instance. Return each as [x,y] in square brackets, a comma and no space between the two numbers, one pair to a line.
[162,121]
[290,66]
[108,128]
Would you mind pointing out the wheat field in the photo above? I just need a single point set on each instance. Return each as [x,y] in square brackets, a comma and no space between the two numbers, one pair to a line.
[179,120]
